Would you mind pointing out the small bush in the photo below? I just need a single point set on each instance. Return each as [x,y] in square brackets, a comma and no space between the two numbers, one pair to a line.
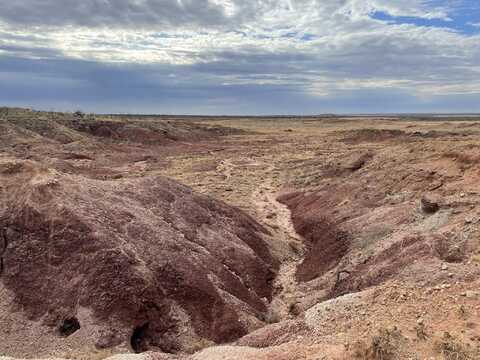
[451,349]
[421,332]
[383,346]
[79,114]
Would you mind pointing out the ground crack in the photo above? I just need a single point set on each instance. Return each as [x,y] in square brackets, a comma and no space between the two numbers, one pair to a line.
[3,248]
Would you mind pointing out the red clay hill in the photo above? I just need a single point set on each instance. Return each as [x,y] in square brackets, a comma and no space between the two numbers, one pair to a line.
[144,261]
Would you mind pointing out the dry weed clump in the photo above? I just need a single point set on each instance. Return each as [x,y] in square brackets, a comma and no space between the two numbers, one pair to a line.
[383,346]
[452,349]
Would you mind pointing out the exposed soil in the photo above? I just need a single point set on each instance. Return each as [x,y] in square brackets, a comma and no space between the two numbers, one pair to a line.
[296,238]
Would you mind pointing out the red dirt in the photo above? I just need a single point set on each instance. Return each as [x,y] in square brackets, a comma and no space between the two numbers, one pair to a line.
[383,266]
[326,243]
[148,242]
[80,230]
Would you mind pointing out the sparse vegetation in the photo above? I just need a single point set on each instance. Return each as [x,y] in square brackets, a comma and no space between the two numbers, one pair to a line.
[421,332]
[452,349]
[383,346]
[79,114]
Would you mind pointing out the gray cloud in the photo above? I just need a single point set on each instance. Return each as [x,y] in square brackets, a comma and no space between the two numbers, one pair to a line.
[112,13]
[91,86]
[266,56]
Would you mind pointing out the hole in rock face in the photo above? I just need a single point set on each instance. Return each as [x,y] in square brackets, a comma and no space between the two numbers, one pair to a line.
[69,326]
[139,339]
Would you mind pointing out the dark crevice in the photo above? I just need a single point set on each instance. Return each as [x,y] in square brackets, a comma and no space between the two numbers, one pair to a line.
[69,327]
[139,340]
[3,248]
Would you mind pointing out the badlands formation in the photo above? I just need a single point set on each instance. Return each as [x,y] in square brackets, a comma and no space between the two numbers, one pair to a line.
[155,237]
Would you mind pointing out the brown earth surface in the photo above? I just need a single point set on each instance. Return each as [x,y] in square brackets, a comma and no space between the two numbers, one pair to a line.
[343,238]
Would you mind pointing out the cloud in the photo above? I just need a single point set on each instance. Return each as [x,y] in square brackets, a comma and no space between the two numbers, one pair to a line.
[113,13]
[161,14]
[213,54]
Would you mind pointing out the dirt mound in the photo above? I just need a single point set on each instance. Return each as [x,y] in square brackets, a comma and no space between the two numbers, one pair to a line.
[122,131]
[157,265]
[105,147]
[371,135]
[385,265]
[65,128]
[344,166]
[147,131]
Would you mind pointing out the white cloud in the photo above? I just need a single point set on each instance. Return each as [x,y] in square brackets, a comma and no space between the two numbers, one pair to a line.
[415,8]
[321,46]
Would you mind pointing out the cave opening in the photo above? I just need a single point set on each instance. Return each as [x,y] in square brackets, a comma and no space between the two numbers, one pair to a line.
[69,326]
[139,340]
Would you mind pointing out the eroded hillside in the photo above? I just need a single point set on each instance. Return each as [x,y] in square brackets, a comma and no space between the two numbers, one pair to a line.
[356,238]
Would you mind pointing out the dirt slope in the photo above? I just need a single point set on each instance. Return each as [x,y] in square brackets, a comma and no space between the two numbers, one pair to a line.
[367,219]
[93,260]
[137,253]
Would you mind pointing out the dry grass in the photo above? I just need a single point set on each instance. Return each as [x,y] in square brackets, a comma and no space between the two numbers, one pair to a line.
[452,349]
[383,346]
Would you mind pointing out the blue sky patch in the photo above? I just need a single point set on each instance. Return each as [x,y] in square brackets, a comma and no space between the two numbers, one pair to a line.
[461,20]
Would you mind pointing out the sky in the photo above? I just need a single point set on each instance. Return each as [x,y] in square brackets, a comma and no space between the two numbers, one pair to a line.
[241,57]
